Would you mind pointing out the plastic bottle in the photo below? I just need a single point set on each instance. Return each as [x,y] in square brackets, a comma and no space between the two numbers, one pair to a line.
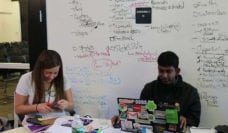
[77,124]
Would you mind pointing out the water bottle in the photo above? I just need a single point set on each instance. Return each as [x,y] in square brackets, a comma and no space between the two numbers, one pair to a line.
[77,124]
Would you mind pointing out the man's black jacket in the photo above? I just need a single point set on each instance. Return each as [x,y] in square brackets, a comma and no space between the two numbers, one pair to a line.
[181,92]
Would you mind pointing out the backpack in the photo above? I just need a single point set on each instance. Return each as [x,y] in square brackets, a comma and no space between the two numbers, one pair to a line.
[1,125]
[5,124]
[222,128]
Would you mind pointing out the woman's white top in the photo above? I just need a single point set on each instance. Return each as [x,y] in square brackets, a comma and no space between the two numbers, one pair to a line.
[25,87]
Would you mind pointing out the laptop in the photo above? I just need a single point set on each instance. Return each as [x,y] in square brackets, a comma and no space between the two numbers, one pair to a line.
[136,115]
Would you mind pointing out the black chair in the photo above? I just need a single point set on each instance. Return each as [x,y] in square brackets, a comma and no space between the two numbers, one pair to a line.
[3,53]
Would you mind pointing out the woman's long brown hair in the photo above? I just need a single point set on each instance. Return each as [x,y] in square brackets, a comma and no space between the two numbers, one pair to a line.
[47,59]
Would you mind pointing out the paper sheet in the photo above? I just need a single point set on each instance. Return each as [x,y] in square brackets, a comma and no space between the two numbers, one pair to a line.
[202,130]
[58,129]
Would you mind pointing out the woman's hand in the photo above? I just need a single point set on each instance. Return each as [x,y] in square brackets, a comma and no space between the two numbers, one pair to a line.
[43,108]
[63,104]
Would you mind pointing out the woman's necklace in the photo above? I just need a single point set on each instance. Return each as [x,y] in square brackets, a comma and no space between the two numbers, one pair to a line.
[48,90]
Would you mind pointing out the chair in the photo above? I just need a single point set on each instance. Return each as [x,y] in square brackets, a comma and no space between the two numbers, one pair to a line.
[17,117]
[3,53]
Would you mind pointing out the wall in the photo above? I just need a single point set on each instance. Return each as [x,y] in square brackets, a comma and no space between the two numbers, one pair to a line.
[107,55]
[10,25]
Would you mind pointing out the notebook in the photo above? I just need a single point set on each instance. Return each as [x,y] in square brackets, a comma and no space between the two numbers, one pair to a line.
[136,114]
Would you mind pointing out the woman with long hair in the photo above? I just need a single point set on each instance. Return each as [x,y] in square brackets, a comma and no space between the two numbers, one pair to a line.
[45,85]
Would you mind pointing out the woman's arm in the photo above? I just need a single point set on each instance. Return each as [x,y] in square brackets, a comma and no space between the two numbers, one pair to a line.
[21,106]
[68,103]
[69,98]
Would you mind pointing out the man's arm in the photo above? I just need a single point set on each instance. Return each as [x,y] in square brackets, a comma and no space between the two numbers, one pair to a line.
[194,110]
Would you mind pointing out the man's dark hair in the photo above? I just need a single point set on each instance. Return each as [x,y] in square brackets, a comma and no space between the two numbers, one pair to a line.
[168,59]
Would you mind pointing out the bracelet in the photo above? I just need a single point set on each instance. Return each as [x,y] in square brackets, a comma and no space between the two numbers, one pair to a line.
[36,107]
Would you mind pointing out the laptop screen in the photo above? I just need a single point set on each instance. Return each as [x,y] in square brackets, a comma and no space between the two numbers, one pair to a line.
[135,114]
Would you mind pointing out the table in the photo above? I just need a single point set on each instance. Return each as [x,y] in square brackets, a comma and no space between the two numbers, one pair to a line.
[7,68]
[109,128]
[96,122]
[17,130]
[21,66]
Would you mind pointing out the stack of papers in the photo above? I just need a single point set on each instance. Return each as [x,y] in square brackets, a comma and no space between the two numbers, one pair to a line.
[59,129]
[202,130]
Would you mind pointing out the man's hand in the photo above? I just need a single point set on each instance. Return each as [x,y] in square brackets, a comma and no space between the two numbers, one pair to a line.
[115,119]
[183,122]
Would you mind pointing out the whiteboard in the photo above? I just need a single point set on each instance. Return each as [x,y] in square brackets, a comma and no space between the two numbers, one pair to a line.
[107,55]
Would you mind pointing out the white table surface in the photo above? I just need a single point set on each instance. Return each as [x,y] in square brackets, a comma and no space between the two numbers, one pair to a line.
[23,66]
[107,128]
